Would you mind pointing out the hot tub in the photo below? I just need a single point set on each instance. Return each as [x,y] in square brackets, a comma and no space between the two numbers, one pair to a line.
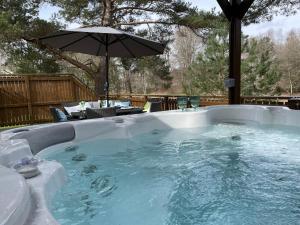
[160,168]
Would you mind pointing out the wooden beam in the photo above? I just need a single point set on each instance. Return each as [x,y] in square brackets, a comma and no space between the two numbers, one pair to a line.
[226,8]
[235,10]
[235,36]
[244,7]
[235,60]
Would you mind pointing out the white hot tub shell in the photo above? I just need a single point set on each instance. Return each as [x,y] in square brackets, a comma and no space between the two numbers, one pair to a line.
[25,202]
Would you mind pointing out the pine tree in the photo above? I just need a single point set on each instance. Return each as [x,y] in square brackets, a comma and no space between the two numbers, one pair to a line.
[17,19]
[260,73]
[206,75]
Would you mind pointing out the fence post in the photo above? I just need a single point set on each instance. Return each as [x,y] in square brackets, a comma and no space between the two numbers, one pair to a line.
[28,95]
[166,100]
[75,93]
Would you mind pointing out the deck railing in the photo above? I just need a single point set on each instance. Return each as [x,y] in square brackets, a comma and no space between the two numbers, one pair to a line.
[26,99]
[266,100]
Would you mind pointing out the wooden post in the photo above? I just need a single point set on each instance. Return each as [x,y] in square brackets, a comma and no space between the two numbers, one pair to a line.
[28,95]
[234,12]
[166,100]
[234,93]
[75,92]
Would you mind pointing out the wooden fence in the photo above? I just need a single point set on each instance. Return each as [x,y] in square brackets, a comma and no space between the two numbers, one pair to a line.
[26,99]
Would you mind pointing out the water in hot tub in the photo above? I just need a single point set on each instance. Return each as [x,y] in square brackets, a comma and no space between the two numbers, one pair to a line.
[223,174]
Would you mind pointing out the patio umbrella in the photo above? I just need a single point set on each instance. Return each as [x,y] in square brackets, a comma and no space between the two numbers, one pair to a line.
[103,41]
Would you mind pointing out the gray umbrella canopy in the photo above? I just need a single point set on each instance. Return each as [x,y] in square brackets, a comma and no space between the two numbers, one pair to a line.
[103,41]
[93,41]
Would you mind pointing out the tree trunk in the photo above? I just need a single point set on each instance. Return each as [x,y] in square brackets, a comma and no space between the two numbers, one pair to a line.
[100,76]
[128,82]
[291,83]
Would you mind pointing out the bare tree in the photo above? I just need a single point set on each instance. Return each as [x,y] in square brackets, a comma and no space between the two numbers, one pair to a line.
[289,62]
[186,46]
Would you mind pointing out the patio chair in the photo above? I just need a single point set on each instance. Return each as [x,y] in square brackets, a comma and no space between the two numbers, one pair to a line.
[182,102]
[58,115]
[195,101]
[152,107]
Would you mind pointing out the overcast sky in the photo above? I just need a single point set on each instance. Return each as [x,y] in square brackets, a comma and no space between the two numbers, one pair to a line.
[281,25]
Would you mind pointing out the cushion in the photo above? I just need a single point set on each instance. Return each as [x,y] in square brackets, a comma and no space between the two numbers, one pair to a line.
[61,116]
[122,104]
[94,105]
[111,103]
[72,109]
[147,107]
[77,108]
[87,105]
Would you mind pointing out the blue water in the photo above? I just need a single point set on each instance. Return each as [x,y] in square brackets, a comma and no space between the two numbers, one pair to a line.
[221,175]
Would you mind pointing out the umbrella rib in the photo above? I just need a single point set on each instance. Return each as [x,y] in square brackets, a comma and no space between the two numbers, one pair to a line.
[57,35]
[118,39]
[102,42]
[122,43]
[145,45]
[73,42]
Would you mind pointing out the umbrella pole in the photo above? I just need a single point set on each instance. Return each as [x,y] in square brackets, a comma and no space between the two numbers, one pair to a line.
[107,71]
[107,83]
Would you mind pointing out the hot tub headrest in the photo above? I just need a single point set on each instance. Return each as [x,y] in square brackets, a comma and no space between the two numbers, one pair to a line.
[44,137]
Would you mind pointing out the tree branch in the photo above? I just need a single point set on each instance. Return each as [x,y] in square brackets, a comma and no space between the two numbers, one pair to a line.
[160,22]
[145,22]
[60,55]
[134,8]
